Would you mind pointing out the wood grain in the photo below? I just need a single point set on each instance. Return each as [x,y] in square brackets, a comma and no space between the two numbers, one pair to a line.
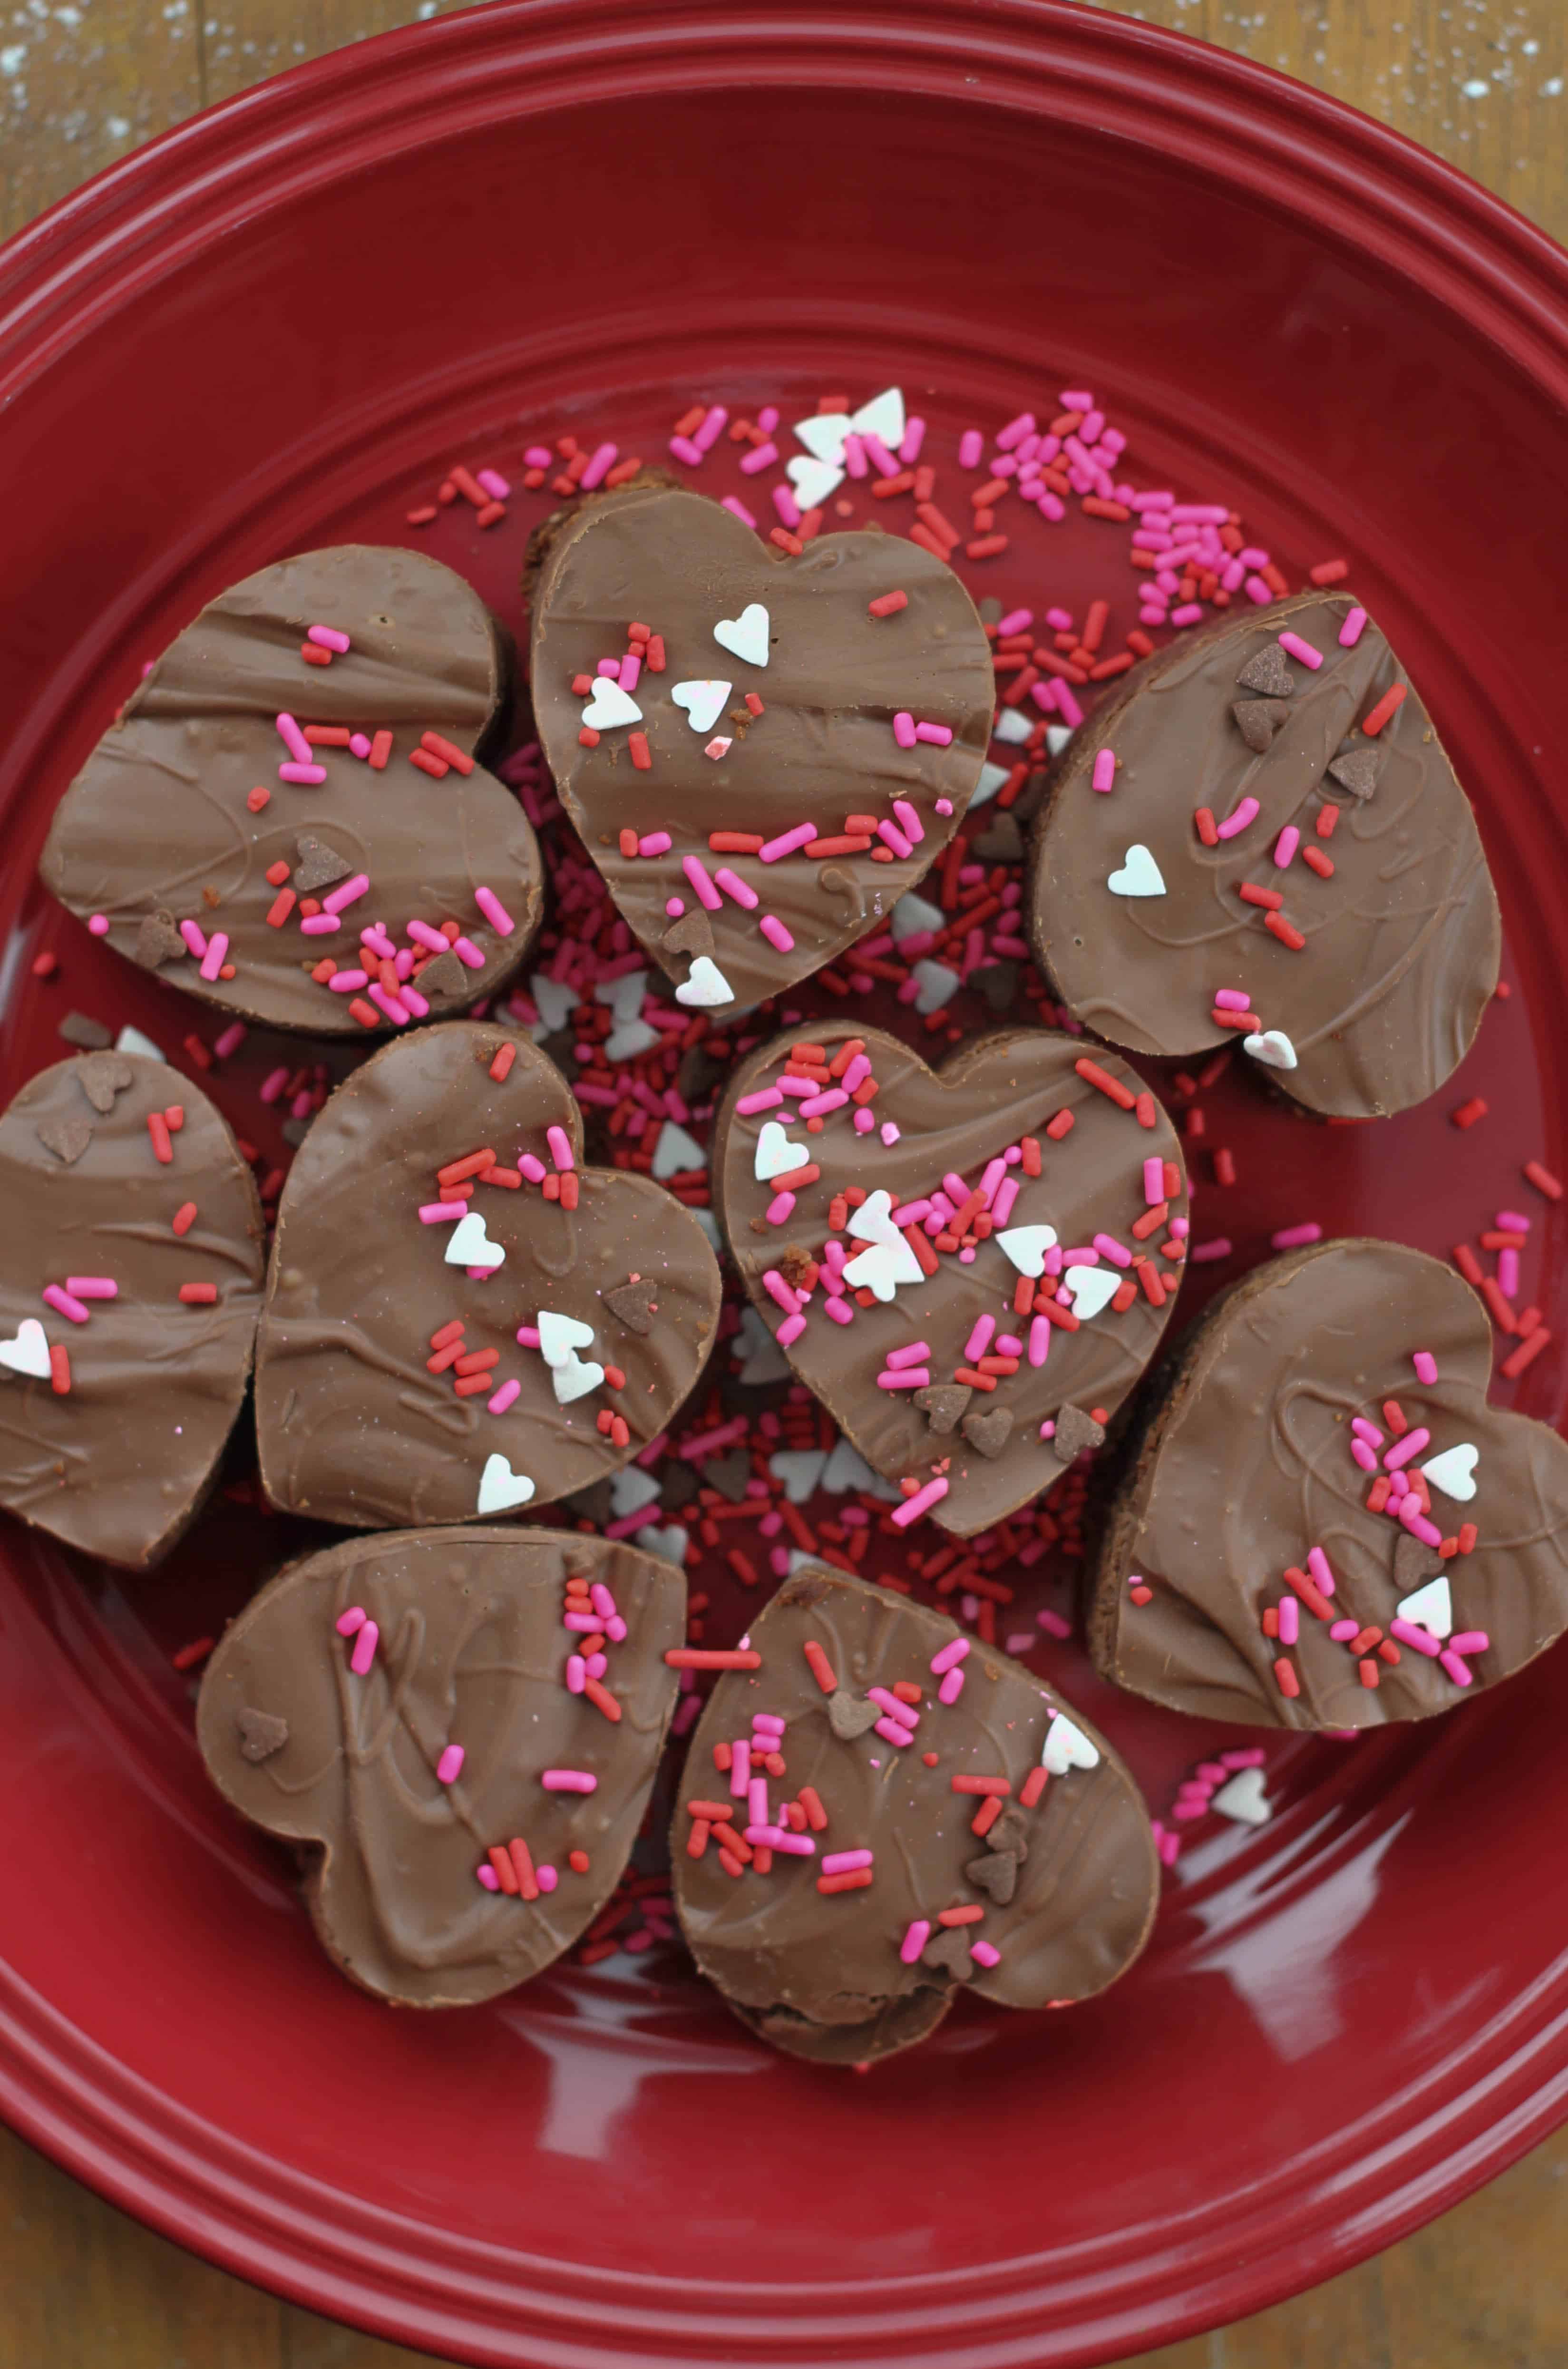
[80,86]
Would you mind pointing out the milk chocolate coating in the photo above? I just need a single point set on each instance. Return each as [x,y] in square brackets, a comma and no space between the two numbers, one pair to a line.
[988,1096]
[473,1652]
[352,1427]
[157,818]
[120,1463]
[819,1975]
[1403,943]
[1243,1464]
[823,750]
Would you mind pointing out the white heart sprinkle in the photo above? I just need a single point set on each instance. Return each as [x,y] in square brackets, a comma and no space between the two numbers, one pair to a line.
[575,1379]
[777,1155]
[676,1152]
[873,1221]
[882,1267]
[501,1488]
[1057,738]
[1431,1607]
[1139,875]
[1243,1799]
[1012,726]
[622,995]
[1026,1247]
[1068,1747]
[813,481]
[799,1469]
[1454,1471]
[847,1468]
[130,1041]
[993,778]
[560,1337]
[554,1000]
[823,434]
[704,984]
[764,1360]
[883,418]
[608,705]
[1092,1289]
[630,1490]
[911,914]
[1273,1049]
[469,1246]
[702,701]
[669,1542]
[746,636]
[28,1353]
[632,1037]
[938,985]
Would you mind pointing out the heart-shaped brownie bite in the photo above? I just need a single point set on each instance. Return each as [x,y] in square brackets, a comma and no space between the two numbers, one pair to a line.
[1322,1521]
[843,695]
[461,1320]
[1259,835]
[971,1266]
[287,818]
[129,1303]
[838,1881]
[461,1734]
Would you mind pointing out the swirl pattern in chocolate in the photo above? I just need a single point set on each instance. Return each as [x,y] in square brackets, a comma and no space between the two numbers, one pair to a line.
[791,733]
[194,815]
[535,1328]
[825,1931]
[1229,768]
[1322,1521]
[953,1259]
[128,1312]
[418,1871]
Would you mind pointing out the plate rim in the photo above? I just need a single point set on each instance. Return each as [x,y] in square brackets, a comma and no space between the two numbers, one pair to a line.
[63,279]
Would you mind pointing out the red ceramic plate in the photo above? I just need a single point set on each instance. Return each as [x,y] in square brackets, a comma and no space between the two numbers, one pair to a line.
[276,326]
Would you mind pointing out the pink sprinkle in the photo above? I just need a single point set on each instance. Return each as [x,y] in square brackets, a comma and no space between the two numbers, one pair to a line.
[919,1934]
[1351,631]
[467,952]
[487,1877]
[790,1330]
[1015,622]
[1108,1247]
[950,1656]
[441,1213]
[355,1618]
[568,1781]
[1244,813]
[906,1715]
[696,872]
[508,1391]
[910,822]
[1426,1366]
[1218,1247]
[985,1953]
[305,773]
[1417,1638]
[560,1148]
[978,1341]
[349,982]
[1411,1444]
[1295,1237]
[495,484]
[335,900]
[971,444]
[67,1304]
[940,736]
[605,1605]
[577,1674]
[1230,999]
[532,1168]
[98,926]
[449,1767]
[603,458]
[904,729]
[1039,1340]
[732,886]
[761,456]
[739,511]
[217,948]
[423,936]
[1285,846]
[359,745]
[914,1352]
[230,1041]
[952,1687]
[365,1644]
[1153,1183]
[655,843]
[1470,1640]
[1318,1564]
[490,905]
[1365,1455]
[914,436]
[395,1008]
[195,937]
[685,449]
[840,1862]
[328,637]
[315,925]
[273,1084]
[92,1287]
[1104,776]
[294,740]
[1455,1667]
[774,930]
[1289,1620]
[801,836]
[769,1098]
[1295,648]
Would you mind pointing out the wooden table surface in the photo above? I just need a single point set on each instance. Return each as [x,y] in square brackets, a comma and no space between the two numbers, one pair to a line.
[1482,82]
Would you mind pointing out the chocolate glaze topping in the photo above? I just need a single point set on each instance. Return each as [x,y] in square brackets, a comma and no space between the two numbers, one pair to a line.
[956,1120]
[823,750]
[353,1425]
[155,830]
[820,1975]
[1243,1464]
[120,1462]
[1402,941]
[471,1650]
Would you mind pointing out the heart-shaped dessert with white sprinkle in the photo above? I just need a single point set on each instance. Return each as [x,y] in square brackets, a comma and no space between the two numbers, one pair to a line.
[398,1384]
[459,1734]
[1259,834]
[1320,1522]
[129,1303]
[971,1266]
[839,1876]
[772,746]
[287,818]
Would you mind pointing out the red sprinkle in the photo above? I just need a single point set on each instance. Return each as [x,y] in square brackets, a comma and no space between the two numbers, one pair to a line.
[889,605]
[1468,1113]
[184,1216]
[59,1371]
[157,1127]
[1391,700]
[198,1295]
[1543,1179]
[1093,1075]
